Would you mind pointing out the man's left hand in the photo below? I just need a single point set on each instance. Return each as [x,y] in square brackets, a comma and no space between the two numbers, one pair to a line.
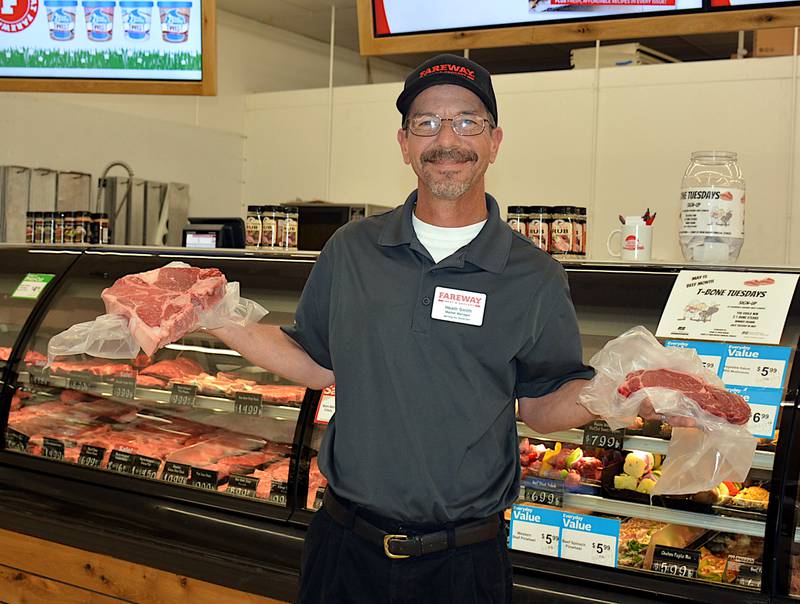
[647,412]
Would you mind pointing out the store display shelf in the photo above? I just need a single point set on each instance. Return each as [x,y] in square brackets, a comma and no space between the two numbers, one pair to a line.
[615,507]
[762,460]
[162,397]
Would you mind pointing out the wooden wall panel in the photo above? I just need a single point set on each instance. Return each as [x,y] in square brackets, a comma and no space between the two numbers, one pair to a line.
[29,567]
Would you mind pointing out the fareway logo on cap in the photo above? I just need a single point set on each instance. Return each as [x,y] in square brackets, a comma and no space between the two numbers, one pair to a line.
[448,68]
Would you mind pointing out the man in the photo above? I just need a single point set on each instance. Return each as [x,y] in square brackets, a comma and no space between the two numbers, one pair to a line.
[432,319]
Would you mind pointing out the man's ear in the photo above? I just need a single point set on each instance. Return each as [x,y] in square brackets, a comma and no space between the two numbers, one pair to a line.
[402,139]
[497,138]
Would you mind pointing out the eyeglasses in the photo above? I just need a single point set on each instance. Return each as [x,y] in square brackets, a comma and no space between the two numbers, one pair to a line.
[463,124]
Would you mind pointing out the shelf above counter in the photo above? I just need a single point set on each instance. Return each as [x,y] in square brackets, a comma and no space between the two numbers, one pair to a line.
[162,397]
[762,460]
[615,507]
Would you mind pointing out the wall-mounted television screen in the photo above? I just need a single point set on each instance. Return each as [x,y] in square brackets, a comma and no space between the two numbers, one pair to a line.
[122,41]
[394,17]
[388,27]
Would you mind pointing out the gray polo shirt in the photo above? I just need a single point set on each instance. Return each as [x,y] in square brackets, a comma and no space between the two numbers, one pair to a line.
[424,428]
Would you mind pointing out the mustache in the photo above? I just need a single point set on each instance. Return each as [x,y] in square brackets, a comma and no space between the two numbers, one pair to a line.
[448,154]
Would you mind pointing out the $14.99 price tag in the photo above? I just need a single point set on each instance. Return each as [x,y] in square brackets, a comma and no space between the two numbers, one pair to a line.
[247,403]
[598,434]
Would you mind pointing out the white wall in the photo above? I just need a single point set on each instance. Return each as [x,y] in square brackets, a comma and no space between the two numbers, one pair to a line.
[196,140]
[617,147]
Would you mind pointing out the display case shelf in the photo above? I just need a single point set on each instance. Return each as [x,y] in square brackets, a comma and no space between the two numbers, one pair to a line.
[762,460]
[615,507]
[162,397]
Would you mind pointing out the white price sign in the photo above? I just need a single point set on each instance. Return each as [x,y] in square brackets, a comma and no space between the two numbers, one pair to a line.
[762,420]
[589,547]
[327,405]
[755,373]
[536,538]
[711,362]
[570,536]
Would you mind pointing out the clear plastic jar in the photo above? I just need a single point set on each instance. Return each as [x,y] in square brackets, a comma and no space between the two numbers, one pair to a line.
[712,208]
[269,226]
[579,231]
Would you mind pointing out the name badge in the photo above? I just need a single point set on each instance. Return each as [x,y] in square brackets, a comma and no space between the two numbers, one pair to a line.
[458,306]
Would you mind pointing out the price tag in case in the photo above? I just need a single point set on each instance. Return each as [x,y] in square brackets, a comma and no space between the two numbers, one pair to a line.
[598,434]
[243,486]
[743,571]
[91,456]
[124,387]
[544,491]
[675,562]
[277,494]
[146,467]
[247,403]
[16,440]
[52,448]
[120,461]
[183,395]
[204,479]
[176,473]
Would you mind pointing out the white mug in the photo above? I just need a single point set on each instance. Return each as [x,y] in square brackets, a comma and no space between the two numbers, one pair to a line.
[636,240]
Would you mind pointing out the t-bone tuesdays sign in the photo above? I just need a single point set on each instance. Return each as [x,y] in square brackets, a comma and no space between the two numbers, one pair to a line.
[119,39]
[728,306]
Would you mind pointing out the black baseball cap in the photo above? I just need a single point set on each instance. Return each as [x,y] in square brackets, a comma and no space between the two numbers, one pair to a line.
[449,69]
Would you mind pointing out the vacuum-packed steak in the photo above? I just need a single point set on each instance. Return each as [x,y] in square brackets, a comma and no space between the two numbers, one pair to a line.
[162,305]
[717,401]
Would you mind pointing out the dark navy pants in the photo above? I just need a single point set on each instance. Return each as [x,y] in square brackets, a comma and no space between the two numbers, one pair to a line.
[339,567]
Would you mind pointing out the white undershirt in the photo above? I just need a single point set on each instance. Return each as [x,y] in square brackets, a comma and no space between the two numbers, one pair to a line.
[443,241]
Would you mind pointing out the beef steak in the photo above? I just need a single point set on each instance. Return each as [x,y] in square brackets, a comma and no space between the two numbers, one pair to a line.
[717,401]
[163,304]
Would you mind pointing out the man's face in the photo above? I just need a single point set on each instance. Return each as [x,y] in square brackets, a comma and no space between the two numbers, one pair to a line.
[449,164]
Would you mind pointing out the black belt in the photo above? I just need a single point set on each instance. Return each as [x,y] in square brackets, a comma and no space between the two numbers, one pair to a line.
[405,546]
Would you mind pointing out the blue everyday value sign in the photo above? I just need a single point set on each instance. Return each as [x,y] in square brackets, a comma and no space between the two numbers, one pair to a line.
[564,535]
[755,372]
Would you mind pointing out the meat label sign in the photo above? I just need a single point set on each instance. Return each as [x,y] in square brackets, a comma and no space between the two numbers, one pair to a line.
[728,306]
[564,535]
[757,373]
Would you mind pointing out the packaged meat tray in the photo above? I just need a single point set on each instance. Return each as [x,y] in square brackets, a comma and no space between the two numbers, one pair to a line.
[716,548]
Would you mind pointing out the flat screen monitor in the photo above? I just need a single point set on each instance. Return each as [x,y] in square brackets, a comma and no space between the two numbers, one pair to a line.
[231,231]
[200,238]
[116,41]
[398,17]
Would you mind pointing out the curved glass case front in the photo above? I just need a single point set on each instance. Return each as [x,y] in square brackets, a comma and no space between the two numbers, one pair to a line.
[195,413]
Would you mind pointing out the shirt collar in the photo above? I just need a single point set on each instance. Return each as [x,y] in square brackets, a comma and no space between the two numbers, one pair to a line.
[489,250]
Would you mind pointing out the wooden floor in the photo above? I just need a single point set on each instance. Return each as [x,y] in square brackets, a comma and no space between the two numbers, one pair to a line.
[34,571]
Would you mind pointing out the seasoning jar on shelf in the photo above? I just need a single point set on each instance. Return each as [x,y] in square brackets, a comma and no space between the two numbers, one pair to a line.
[252,227]
[539,226]
[518,219]
[562,233]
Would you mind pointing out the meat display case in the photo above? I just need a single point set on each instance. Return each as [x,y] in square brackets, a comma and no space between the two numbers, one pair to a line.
[196,462]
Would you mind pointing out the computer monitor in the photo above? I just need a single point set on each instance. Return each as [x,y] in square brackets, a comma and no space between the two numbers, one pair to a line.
[231,234]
